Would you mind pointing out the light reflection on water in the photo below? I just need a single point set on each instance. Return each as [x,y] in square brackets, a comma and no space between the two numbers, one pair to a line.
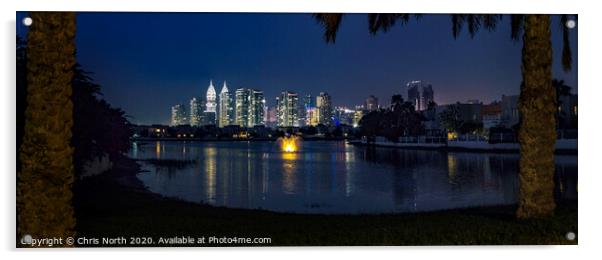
[334,177]
[209,154]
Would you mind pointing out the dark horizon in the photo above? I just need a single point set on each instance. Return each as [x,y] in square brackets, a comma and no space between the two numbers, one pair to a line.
[147,62]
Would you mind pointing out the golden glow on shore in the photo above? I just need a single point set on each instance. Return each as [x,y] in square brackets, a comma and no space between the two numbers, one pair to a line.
[289,144]
[452,136]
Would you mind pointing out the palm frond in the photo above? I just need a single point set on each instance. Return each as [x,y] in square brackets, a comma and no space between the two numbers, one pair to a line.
[457,22]
[516,23]
[384,22]
[490,21]
[474,22]
[331,23]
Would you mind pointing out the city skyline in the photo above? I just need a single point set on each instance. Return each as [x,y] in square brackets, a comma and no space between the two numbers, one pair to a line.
[144,72]
[248,107]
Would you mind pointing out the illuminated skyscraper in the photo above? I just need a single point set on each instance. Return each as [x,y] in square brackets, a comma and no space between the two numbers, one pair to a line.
[256,108]
[197,107]
[242,107]
[420,94]
[288,109]
[226,107]
[211,105]
[178,115]
[311,118]
[304,116]
[324,106]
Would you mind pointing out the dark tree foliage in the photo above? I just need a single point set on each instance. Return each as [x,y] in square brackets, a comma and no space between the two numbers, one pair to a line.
[337,132]
[396,102]
[309,130]
[562,90]
[432,105]
[98,128]
[470,127]
[450,119]
[399,120]
[372,123]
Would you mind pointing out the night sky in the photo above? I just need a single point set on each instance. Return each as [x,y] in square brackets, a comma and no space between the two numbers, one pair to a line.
[147,62]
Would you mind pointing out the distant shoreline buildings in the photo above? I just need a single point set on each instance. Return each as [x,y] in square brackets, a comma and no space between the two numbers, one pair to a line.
[247,108]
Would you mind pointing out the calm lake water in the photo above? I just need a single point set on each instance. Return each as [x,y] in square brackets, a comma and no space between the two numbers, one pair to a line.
[335,177]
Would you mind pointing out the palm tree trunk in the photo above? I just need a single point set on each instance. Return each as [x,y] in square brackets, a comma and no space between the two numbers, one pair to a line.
[44,195]
[537,133]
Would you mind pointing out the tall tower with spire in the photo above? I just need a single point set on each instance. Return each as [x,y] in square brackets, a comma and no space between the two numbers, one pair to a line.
[211,98]
[226,107]
[211,105]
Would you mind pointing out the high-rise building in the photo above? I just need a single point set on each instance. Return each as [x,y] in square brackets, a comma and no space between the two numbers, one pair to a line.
[226,107]
[272,117]
[308,101]
[178,115]
[288,109]
[266,115]
[371,103]
[256,108]
[420,94]
[343,116]
[211,105]
[324,105]
[241,101]
[312,117]
[307,105]
[197,108]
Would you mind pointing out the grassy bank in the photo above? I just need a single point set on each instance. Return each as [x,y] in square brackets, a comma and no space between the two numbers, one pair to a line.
[116,204]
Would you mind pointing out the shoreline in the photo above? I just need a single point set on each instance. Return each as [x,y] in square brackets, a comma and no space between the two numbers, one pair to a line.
[455,148]
[202,140]
[356,142]
[116,203]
